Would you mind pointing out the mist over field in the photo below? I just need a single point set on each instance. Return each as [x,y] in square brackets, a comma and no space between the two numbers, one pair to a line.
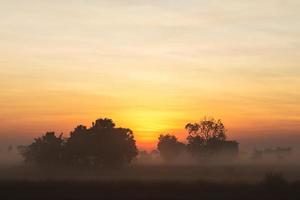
[149,99]
[184,168]
[103,161]
[206,155]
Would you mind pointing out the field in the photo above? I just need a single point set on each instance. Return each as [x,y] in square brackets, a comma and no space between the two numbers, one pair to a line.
[144,190]
[151,182]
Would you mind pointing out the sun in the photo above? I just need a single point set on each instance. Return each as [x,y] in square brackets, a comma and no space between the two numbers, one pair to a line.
[148,124]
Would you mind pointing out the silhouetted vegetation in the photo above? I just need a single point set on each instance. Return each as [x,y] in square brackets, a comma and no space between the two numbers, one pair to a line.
[104,145]
[46,149]
[208,138]
[101,145]
[169,147]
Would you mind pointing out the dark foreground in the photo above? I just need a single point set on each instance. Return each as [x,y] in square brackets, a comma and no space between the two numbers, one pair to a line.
[235,181]
[146,190]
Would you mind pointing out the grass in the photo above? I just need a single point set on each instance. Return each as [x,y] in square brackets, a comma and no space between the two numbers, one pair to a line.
[151,182]
[142,190]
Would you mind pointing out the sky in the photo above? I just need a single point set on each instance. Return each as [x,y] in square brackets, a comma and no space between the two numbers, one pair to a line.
[152,66]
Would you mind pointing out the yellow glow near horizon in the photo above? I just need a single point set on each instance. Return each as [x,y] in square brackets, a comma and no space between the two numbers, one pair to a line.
[151,66]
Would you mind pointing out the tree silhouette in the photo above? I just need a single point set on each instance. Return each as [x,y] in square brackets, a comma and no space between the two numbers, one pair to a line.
[104,124]
[44,150]
[208,137]
[110,146]
[75,149]
[169,147]
[207,130]
[100,145]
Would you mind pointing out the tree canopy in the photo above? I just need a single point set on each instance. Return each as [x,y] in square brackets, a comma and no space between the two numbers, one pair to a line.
[169,147]
[101,145]
[208,137]
[207,130]
[105,145]
[46,149]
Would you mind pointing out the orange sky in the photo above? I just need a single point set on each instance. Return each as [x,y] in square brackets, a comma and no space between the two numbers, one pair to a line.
[151,66]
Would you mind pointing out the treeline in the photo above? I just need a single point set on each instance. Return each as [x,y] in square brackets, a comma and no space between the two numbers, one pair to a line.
[100,145]
[105,145]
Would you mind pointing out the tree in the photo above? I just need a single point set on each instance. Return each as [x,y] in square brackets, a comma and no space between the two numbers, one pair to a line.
[44,150]
[104,124]
[207,130]
[75,149]
[169,147]
[102,145]
[205,137]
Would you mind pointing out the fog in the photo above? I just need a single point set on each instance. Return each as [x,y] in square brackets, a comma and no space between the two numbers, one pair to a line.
[105,152]
[150,166]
